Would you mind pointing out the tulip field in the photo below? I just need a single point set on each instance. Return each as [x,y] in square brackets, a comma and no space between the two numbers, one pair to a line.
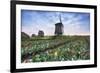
[60,48]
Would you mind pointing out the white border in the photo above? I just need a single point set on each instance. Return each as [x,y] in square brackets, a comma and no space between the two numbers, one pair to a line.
[20,65]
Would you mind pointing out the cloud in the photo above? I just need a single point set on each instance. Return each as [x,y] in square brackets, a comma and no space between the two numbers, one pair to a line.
[74,23]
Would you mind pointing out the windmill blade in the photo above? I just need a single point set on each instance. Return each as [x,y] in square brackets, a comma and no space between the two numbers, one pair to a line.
[60,18]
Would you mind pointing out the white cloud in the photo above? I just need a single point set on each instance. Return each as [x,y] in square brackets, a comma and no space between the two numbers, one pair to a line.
[46,22]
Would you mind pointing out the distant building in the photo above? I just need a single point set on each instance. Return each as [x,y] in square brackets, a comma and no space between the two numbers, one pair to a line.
[41,33]
[33,35]
[59,28]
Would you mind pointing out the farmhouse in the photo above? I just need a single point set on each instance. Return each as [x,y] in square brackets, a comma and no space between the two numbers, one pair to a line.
[40,33]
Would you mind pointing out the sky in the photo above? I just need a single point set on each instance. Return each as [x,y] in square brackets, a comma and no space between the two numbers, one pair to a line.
[75,23]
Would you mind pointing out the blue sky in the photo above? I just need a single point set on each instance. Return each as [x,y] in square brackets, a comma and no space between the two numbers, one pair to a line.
[75,23]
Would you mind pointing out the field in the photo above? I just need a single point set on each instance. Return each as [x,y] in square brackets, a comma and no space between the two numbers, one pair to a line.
[55,48]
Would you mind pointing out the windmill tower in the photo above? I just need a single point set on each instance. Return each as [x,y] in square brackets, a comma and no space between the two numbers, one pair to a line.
[59,27]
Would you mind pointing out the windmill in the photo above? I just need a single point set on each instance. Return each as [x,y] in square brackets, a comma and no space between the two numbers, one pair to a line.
[59,27]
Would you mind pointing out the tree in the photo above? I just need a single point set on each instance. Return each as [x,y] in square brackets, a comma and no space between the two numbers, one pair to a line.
[24,36]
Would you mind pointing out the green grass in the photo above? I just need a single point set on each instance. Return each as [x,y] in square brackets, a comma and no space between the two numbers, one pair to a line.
[56,48]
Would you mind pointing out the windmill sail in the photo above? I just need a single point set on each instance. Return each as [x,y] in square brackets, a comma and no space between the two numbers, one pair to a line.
[60,18]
